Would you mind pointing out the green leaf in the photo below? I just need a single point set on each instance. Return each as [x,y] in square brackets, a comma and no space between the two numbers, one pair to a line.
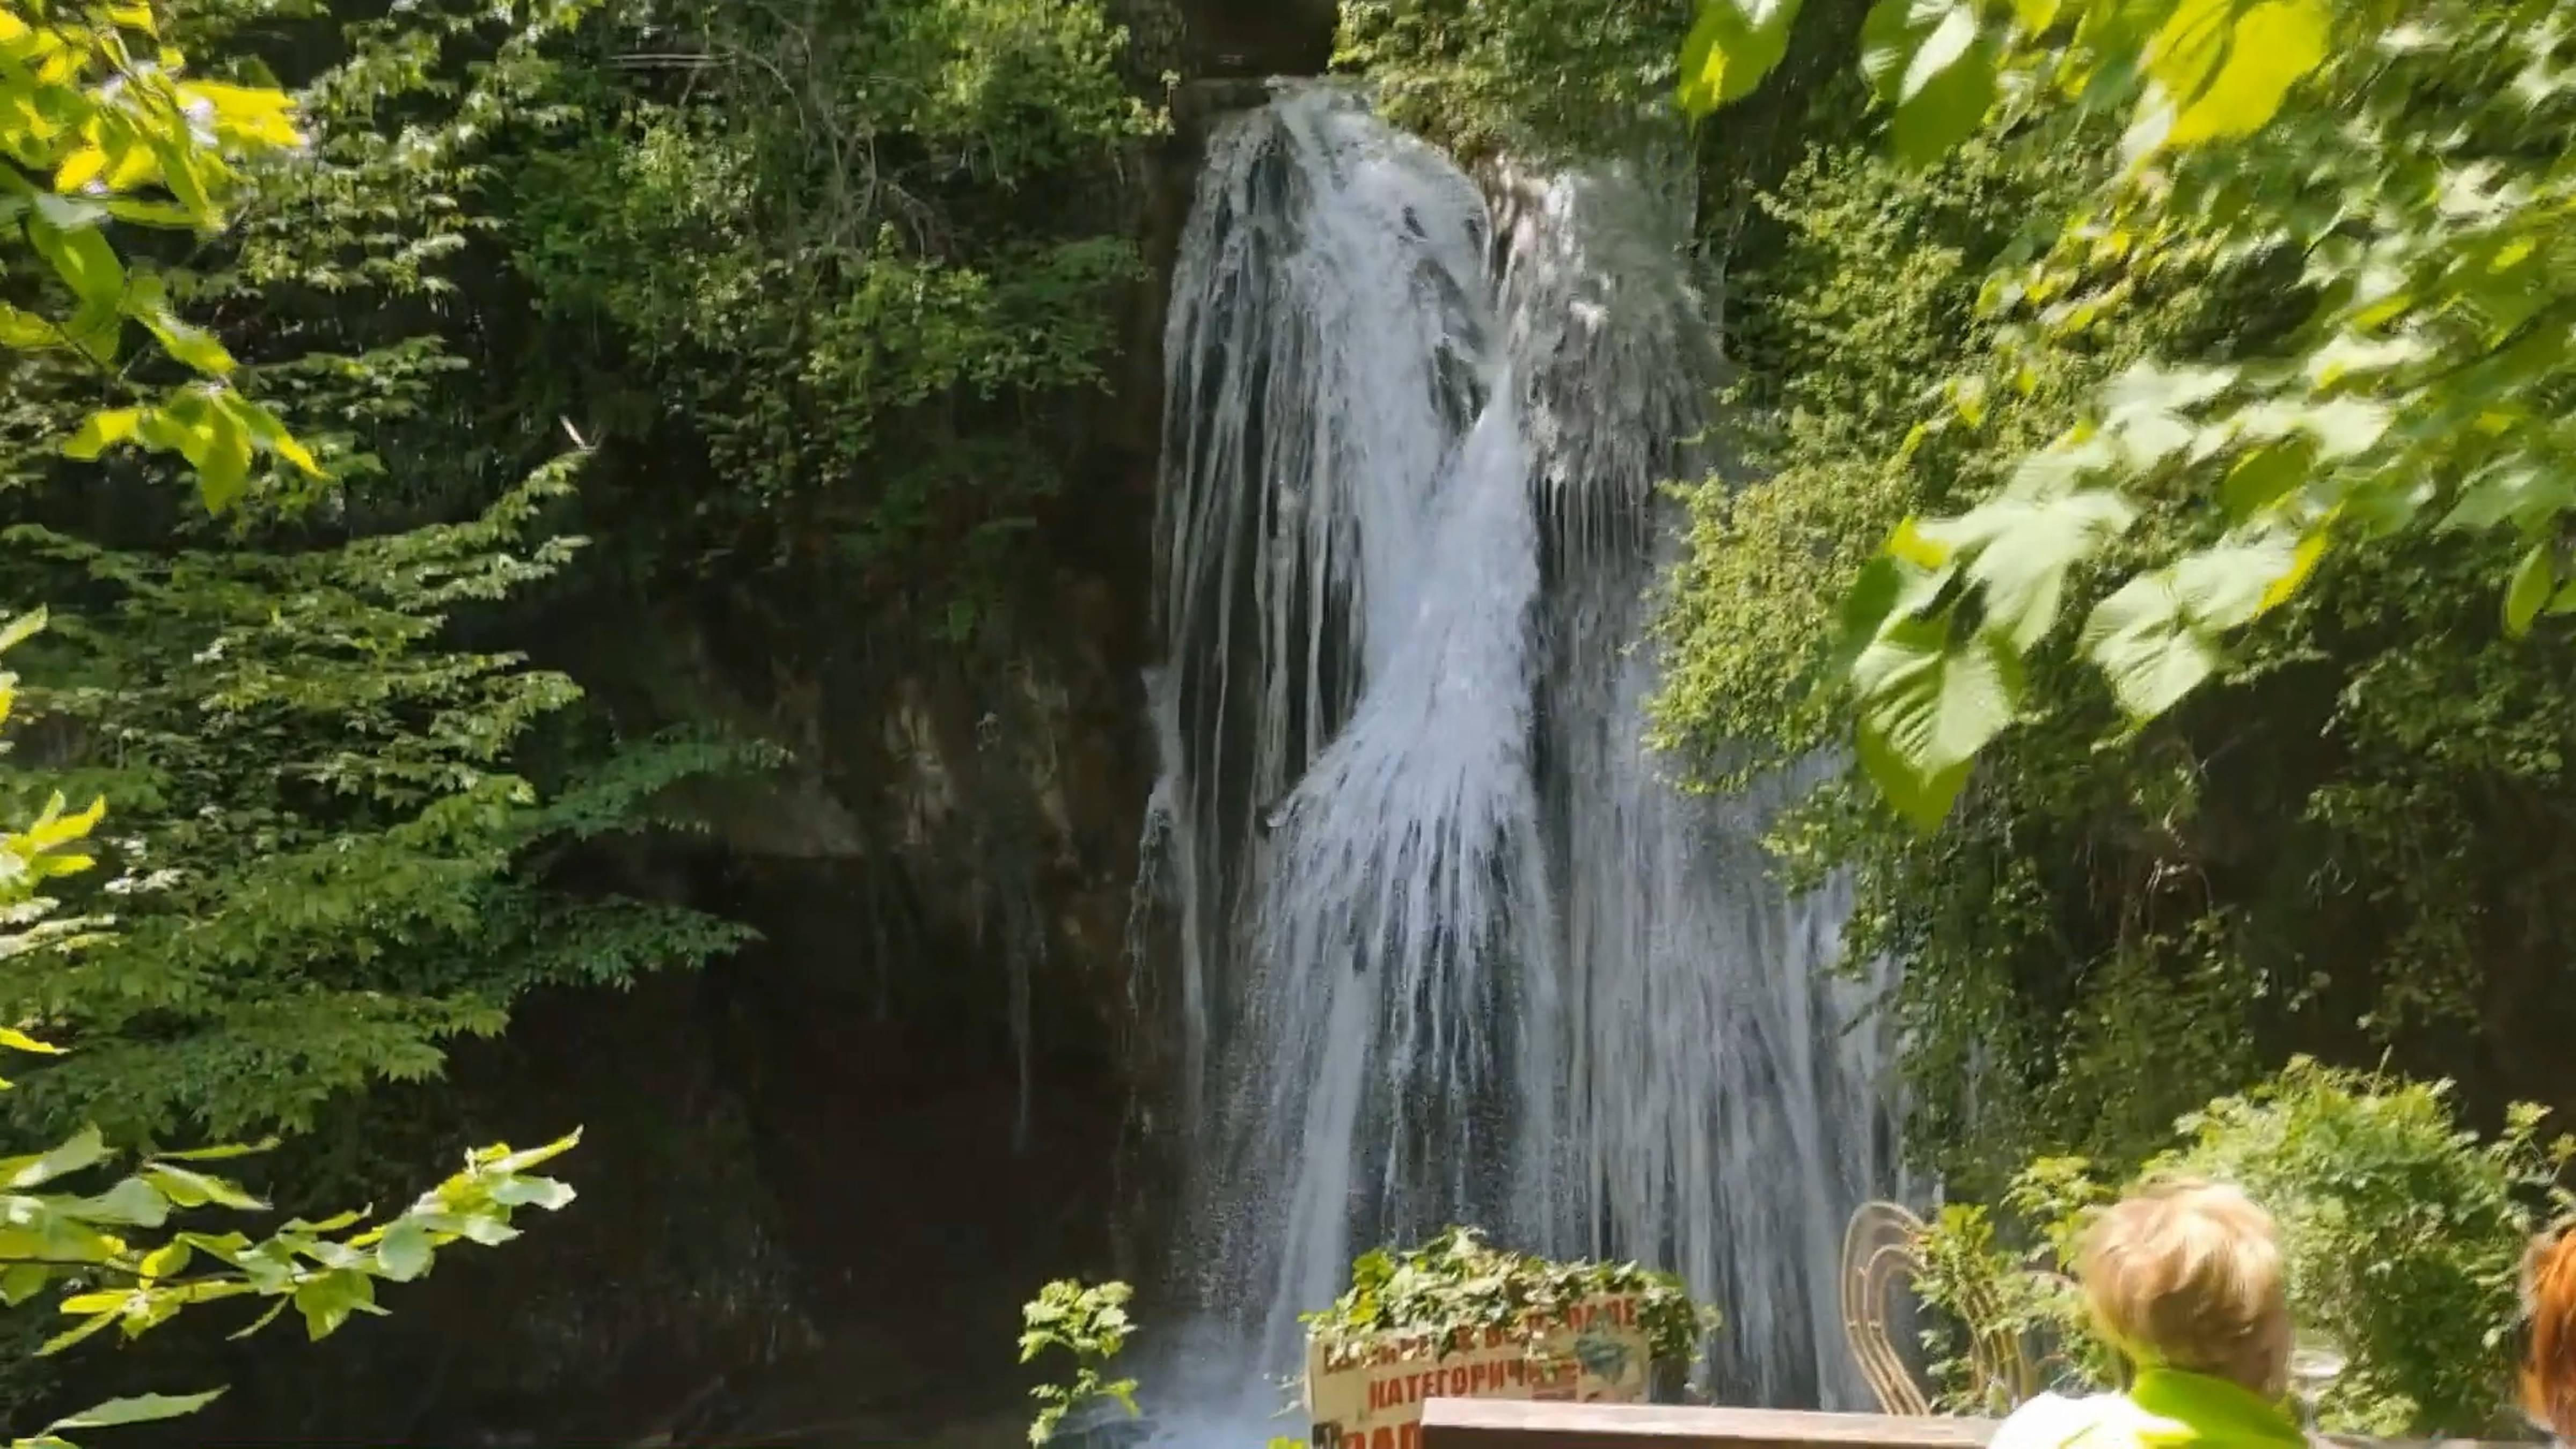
[101,431]
[2035,16]
[2223,66]
[502,1160]
[539,1192]
[405,1251]
[1731,47]
[84,1149]
[327,1301]
[2157,637]
[1928,703]
[1934,64]
[2265,476]
[132,1202]
[1865,609]
[81,257]
[86,1328]
[219,1153]
[2023,544]
[190,345]
[142,1410]
[24,329]
[2520,494]
[2141,638]
[22,1281]
[2533,578]
[255,1325]
[2228,584]
[10,1036]
[190,1188]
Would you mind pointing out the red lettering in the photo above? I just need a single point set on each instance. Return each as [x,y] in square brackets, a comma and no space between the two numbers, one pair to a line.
[1355,1441]
[1409,1435]
[1382,1439]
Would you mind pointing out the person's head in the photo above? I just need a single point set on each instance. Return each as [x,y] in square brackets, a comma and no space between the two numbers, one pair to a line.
[2549,1344]
[2188,1275]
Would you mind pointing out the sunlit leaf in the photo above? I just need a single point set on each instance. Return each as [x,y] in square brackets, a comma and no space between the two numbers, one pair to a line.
[2265,476]
[1927,705]
[195,1189]
[132,1202]
[81,257]
[20,1282]
[18,1040]
[141,1410]
[1730,48]
[85,1148]
[101,431]
[2142,640]
[405,1251]
[2223,66]
[2533,579]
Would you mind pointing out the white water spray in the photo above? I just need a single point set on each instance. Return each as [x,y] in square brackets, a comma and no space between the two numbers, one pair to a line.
[1450,950]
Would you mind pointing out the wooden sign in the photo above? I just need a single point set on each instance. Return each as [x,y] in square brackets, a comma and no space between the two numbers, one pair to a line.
[1594,1354]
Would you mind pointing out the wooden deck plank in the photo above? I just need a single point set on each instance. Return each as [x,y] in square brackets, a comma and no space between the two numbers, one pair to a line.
[1521,1424]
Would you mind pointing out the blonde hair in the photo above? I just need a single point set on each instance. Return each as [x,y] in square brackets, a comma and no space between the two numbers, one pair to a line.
[2188,1275]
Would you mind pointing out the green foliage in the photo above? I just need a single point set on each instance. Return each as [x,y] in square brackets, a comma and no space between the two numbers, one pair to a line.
[112,1260]
[2312,851]
[1455,1286]
[846,270]
[328,859]
[2404,1238]
[337,822]
[2410,157]
[1531,77]
[94,97]
[93,1250]
[324,1270]
[1091,1325]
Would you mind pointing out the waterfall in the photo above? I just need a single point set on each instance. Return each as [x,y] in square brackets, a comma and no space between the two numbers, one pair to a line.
[1449,948]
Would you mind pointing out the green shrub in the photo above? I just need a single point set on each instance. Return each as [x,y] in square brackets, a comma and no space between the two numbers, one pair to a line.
[2404,1235]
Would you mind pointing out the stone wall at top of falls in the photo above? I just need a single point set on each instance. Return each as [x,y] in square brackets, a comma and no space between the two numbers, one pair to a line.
[1448,948]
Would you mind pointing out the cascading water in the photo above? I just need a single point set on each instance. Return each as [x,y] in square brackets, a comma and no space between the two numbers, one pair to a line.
[1449,948]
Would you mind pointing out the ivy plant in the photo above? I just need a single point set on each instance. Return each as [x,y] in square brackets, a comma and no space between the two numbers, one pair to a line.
[1456,1285]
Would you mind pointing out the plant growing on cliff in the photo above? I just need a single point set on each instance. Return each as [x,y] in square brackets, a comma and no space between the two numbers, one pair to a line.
[2404,1236]
[844,266]
[1090,1325]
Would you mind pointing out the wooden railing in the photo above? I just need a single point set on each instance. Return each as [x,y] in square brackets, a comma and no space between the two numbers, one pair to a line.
[1517,1424]
[1510,1424]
